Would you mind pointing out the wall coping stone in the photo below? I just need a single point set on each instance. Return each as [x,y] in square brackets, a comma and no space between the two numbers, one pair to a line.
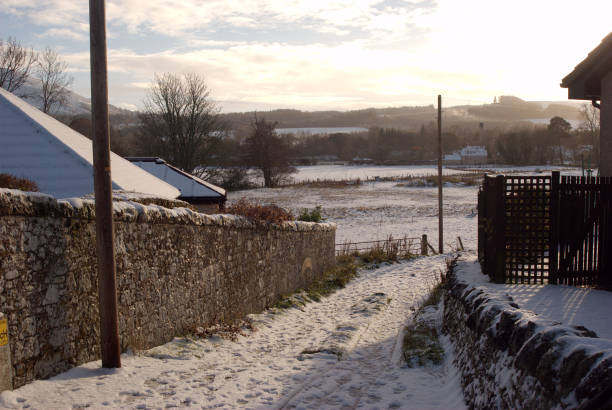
[14,202]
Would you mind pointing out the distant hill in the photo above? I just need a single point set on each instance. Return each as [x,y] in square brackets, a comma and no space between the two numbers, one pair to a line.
[507,109]
[76,105]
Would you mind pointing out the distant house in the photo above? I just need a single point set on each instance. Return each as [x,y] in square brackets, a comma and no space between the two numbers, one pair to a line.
[59,160]
[592,80]
[470,155]
[452,159]
[205,196]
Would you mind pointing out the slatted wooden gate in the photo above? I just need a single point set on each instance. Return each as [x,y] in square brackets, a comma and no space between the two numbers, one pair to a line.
[546,229]
[582,232]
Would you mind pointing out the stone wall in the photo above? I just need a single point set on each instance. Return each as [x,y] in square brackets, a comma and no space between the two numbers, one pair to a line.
[511,359]
[176,270]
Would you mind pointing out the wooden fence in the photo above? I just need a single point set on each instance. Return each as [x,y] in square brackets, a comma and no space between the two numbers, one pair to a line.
[403,246]
[546,229]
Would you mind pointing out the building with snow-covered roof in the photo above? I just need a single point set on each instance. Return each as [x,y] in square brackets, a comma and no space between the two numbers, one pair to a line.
[470,155]
[473,155]
[205,196]
[452,159]
[59,160]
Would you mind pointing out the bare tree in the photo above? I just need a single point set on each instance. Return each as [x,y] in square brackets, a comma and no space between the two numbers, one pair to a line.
[268,152]
[179,121]
[51,71]
[16,62]
[590,127]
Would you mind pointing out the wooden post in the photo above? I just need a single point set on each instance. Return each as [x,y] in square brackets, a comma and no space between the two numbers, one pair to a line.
[440,203]
[499,229]
[553,246]
[107,287]
[424,245]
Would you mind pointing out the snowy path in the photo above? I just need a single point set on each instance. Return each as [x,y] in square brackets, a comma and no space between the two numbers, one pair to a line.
[342,352]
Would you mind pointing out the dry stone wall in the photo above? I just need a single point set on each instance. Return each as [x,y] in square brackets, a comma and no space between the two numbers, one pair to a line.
[511,359]
[176,270]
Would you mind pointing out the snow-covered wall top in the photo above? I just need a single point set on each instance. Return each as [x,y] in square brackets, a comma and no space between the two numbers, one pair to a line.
[60,160]
[19,203]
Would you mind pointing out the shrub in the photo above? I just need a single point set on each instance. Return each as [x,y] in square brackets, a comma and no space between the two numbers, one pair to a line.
[260,213]
[311,216]
[12,182]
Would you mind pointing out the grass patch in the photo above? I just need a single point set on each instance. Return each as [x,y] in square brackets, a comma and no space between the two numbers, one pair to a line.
[313,215]
[421,346]
[333,279]
[421,343]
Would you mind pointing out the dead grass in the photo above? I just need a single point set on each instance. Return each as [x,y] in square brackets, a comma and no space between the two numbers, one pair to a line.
[390,250]
[259,213]
[327,183]
[12,182]
[228,331]
[466,179]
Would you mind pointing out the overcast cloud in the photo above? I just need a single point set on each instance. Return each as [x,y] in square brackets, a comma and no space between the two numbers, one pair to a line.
[338,54]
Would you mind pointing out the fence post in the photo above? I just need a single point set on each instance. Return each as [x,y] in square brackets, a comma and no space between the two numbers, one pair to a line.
[481,223]
[499,235]
[553,246]
[6,370]
[424,245]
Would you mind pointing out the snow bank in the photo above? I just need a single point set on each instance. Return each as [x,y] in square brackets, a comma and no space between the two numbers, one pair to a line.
[512,358]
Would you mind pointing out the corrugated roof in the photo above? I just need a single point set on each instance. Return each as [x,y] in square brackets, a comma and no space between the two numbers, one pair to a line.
[189,185]
[36,146]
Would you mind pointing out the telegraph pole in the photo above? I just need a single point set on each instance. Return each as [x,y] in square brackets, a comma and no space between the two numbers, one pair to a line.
[440,204]
[105,249]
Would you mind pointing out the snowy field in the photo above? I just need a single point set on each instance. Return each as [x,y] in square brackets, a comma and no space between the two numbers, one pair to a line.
[357,333]
[366,172]
[375,210]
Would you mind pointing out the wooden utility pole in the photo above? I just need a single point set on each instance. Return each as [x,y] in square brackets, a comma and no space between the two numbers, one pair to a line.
[440,204]
[107,281]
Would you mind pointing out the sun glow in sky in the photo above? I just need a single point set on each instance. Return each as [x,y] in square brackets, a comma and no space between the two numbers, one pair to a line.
[325,54]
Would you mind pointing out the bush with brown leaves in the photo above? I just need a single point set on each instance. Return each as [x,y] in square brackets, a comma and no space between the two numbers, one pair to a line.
[12,182]
[260,213]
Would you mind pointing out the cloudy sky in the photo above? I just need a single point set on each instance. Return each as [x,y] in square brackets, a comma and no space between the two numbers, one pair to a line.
[324,54]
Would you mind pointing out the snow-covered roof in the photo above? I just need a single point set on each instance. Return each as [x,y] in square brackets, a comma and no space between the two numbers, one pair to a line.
[452,157]
[474,151]
[192,188]
[36,146]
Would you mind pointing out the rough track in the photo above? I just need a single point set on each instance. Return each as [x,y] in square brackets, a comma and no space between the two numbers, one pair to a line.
[342,352]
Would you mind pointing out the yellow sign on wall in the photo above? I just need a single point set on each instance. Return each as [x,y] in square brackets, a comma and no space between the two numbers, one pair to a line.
[3,332]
